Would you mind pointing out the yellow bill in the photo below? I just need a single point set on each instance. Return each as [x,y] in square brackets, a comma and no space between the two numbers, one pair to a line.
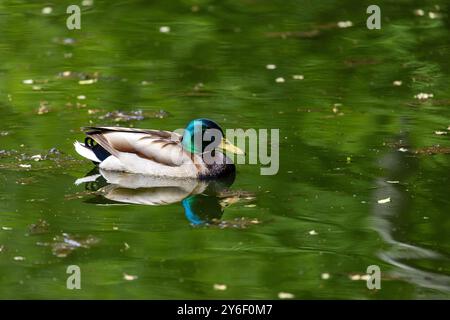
[228,146]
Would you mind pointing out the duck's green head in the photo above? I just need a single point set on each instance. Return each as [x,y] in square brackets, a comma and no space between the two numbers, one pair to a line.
[196,137]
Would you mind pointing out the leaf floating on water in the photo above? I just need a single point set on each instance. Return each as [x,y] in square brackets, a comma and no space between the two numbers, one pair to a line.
[129,277]
[382,201]
[285,295]
[220,287]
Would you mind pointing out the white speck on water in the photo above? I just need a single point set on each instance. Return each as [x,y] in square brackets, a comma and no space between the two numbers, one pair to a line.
[47,10]
[419,12]
[87,3]
[19,258]
[386,200]
[424,96]
[88,81]
[6,228]
[432,15]
[313,233]
[440,133]
[250,205]
[279,80]
[129,277]
[397,83]
[28,81]
[25,166]
[36,157]
[81,97]
[344,24]
[164,29]
[393,181]
[402,149]
[298,77]
[325,276]
[285,295]
[220,287]
[271,67]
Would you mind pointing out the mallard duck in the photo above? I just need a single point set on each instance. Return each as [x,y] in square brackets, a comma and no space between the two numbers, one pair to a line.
[157,152]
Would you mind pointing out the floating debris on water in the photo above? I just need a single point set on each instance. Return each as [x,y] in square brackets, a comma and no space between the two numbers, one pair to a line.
[386,200]
[356,277]
[419,12]
[164,29]
[88,81]
[40,227]
[47,10]
[26,166]
[87,3]
[66,244]
[279,80]
[81,97]
[43,108]
[120,116]
[250,205]
[4,133]
[237,223]
[325,276]
[313,233]
[28,81]
[19,258]
[298,77]
[402,149]
[397,83]
[440,133]
[433,15]
[433,150]
[129,277]
[271,67]
[344,24]
[423,96]
[285,295]
[7,228]
[220,287]
[393,181]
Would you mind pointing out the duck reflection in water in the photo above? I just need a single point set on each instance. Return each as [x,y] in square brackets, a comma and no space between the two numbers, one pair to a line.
[203,201]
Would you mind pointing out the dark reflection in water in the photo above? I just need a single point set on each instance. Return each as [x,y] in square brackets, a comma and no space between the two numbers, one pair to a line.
[203,201]
[398,166]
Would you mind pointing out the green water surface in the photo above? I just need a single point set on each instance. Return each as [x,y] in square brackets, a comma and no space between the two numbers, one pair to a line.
[349,137]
